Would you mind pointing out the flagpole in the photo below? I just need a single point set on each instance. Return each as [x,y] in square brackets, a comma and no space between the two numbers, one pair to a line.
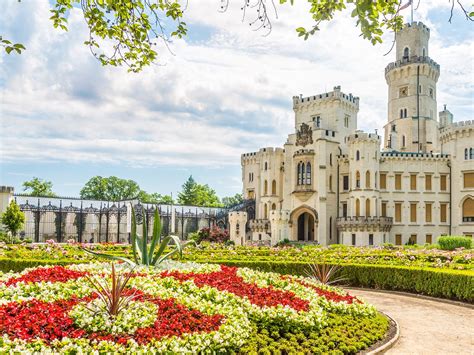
[411,11]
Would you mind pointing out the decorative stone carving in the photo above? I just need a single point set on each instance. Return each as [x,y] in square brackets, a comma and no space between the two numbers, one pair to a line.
[304,135]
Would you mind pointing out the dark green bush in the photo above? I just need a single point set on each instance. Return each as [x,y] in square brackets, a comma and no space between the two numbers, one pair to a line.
[453,242]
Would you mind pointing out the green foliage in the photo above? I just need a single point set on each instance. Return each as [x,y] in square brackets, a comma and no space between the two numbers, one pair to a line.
[155,198]
[10,47]
[453,242]
[143,252]
[343,334]
[232,200]
[39,187]
[198,194]
[109,188]
[123,33]
[13,218]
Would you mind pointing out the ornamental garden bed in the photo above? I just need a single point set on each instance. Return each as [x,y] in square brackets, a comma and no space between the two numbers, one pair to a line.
[181,307]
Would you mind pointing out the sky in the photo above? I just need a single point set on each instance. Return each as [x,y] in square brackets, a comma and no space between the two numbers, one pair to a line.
[222,91]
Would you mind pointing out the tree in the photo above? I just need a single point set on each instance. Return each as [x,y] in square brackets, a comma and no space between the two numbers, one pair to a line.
[110,188]
[155,197]
[232,200]
[198,195]
[124,33]
[13,218]
[39,187]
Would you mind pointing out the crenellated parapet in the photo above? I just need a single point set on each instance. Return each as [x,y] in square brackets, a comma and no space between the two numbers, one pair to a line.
[358,224]
[259,225]
[300,102]
[457,130]
[414,156]
[360,136]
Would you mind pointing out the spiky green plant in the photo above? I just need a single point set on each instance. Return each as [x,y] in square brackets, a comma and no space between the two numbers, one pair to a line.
[145,253]
[325,274]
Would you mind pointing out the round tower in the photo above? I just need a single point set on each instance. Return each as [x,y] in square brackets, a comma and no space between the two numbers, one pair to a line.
[411,79]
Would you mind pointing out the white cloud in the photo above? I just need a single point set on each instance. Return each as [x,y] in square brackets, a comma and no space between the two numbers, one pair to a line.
[206,105]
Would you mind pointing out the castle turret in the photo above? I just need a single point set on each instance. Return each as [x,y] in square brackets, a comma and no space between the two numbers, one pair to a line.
[411,79]
[445,118]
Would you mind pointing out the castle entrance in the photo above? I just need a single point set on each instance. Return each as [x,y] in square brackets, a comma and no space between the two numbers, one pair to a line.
[306,227]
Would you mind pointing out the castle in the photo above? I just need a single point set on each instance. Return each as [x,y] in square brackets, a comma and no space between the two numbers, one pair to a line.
[332,183]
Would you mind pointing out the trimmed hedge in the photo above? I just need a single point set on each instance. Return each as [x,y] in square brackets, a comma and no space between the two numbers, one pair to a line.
[443,283]
[454,242]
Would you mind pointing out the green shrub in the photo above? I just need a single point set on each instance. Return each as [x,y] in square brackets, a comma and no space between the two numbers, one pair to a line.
[453,242]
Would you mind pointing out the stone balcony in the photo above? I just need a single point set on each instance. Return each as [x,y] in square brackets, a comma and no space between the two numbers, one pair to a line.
[259,225]
[375,224]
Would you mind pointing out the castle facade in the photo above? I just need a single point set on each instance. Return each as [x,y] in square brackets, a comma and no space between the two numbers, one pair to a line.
[332,183]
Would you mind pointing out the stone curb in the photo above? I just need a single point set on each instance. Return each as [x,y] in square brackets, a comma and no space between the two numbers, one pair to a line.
[383,348]
[414,295]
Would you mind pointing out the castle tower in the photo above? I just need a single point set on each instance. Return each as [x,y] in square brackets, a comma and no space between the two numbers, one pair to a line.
[411,79]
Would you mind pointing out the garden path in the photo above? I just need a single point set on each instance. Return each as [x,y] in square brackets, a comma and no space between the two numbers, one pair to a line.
[426,326]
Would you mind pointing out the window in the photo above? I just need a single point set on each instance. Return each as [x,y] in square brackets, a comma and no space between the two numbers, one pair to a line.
[413,212]
[398,212]
[466,154]
[428,208]
[265,211]
[266,166]
[308,173]
[383,181]
[357,180]
[317,121]
[330,227]
[398,181]
[345,182]
[357,155]
[346,121]
[330,183]
[469,180]
[274,207]
[406,53]
[468,210]
[443,212]
[424,52]
[376,177]
[265,187]
[431,92]
[398,239]
[412,240]
[301,170]
[371,239]
[357,207]
[413,182]
[274,187]
[330,159]
[344,209]
[443,182]
[428,182]
[404,141]
[471,153]
[250,177]
[353,239]
[367,207]
[367,179]
[259,236]
[403,113]
[429,239]
[384,209]
[251,194]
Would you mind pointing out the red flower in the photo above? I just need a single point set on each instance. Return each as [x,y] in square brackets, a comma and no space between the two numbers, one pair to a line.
[329,295]
[47,274]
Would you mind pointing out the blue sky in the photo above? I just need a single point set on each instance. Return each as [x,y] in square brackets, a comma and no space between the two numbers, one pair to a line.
[225,91]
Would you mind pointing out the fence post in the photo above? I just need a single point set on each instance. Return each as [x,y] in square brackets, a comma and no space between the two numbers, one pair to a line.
[209,218]
[100,221]
[37,222]
[107,224]
[118,223]
[79,235]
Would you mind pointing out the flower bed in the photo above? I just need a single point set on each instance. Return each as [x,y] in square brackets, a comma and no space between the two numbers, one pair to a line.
[182,307]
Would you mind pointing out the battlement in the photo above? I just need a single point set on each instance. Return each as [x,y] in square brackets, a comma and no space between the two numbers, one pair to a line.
[453,130]
[259,225]
[6,189]
[461,124]
[414,155]
[360,136]
[412,60]
[271,150]
[336,94]
[303,152]
[415,25]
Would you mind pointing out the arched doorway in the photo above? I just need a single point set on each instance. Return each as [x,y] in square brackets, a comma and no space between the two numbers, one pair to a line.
[305,227]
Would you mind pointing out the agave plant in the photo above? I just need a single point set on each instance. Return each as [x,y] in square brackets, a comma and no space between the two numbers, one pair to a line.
[145,253]
[113,295]
[324,273]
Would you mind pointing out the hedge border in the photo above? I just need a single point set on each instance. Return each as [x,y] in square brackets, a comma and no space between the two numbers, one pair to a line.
[442,283]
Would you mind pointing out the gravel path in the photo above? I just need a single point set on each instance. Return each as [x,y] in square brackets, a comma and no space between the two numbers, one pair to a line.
[426,326]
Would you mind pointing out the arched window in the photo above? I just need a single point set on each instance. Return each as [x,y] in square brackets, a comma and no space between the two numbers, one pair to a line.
[330,227]
[357,155]
[406,53]
[265,211]
[274,207]
[357,207]
[367,179]
[376,178]
[266,166]
[367,207]
[330,182]
[401,113]
[265,187]
[466,154]
[308,173]
[330,159]
[301,171]
[405,114]
[298,172]
[403,141]
[274,187]
[468,210]
[471,153]
[357,179]
[424,52]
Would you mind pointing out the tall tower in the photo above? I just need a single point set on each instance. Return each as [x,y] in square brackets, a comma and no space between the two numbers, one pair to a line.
[411,79]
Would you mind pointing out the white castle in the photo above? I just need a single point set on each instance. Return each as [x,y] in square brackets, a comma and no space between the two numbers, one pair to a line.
[332,183]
